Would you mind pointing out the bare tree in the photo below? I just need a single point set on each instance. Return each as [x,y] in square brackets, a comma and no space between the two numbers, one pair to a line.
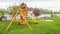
[36,12]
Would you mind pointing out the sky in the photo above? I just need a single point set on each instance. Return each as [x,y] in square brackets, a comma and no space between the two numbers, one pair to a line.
[45,4]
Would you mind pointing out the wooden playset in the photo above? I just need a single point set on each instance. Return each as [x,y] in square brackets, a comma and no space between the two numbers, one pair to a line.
[23,16]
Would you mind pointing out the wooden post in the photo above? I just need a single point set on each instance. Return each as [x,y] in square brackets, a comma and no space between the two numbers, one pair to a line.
[10,22]
[23,14]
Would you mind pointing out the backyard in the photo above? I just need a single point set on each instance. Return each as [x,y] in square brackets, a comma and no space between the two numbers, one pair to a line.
[44,26]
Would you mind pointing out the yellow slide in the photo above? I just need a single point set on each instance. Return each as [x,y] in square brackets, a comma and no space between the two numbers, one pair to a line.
[33,19]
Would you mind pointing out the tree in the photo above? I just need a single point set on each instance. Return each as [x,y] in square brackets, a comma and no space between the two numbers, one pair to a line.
[13,10]
[51,13]
[2,11]
[36,12]
[2,17]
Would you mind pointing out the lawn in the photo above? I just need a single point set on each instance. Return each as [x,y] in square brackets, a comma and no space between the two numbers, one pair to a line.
[43,27]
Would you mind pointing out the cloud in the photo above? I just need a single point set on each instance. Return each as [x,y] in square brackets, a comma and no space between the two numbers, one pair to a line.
[46,4]
[25,0]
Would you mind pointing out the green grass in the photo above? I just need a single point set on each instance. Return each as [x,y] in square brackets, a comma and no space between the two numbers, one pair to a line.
[43,27]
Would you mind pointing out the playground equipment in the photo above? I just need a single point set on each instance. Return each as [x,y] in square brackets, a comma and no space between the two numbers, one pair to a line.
[23,16]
